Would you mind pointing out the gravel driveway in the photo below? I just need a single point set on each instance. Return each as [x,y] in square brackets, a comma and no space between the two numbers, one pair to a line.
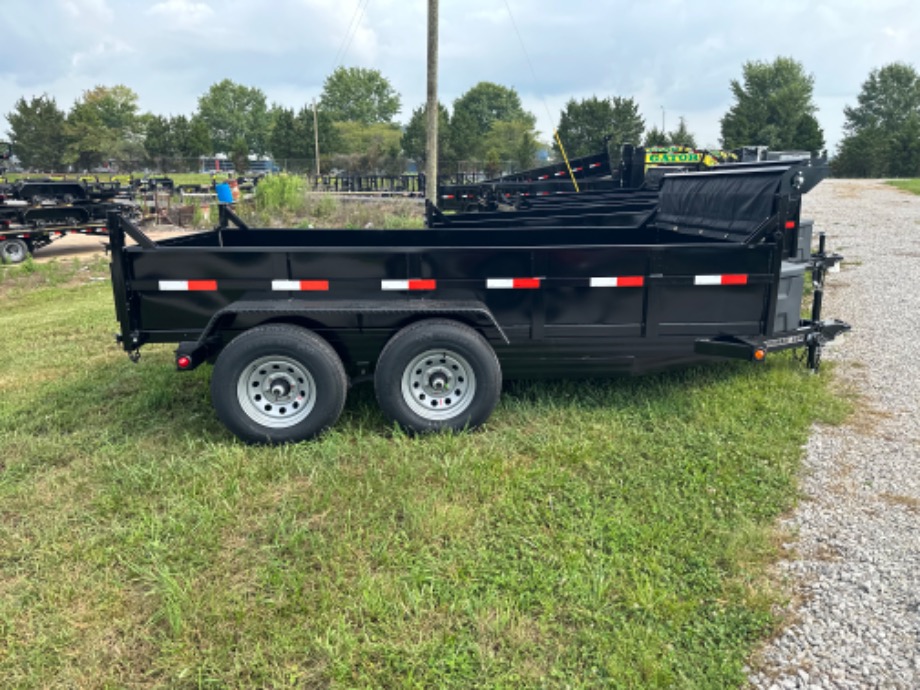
[855,620]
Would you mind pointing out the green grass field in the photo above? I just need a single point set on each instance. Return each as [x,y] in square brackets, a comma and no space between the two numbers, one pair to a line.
[912,186]
[593,534]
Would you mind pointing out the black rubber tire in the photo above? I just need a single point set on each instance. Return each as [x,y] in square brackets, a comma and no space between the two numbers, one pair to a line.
[13,251]
[463,346]
[306,353]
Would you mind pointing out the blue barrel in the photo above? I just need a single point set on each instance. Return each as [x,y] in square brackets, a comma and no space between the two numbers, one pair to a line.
[224,195]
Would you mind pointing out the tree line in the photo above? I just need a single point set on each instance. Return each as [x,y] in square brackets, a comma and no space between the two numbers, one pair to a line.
[486,129]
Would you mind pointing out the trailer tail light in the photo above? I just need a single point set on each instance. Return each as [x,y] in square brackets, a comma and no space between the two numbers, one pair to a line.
[790,225]
[184,362]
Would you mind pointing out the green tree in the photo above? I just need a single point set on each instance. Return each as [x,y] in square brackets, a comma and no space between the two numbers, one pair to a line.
[355,94]
[198,141]
[232,111]
[37,132]
[773,106]
[584,125]
[239,155]
[104,125]
[477,110]
[511,143]
[369,149]
[681,136]
[415,138]
[283,140]
[882,132]
[159,140]
[656,137]
[329,140]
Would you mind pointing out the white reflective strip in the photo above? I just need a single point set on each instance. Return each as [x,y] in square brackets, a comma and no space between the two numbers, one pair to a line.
[173,285]
[394,284]
[281,285]
[707,280]
[604,282]
[500,283]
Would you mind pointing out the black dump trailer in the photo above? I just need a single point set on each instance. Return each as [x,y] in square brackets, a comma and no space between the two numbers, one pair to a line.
[438,317]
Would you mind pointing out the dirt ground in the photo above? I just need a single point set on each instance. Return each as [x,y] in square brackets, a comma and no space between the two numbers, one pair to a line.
[84,246]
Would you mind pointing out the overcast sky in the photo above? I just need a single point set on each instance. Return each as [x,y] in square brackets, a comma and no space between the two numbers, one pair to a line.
[675,57]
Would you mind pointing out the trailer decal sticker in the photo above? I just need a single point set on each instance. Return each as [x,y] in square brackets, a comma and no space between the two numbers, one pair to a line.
[408,284]
[513,283]
[301,285]
[188,285]
[736,279]
[620,281]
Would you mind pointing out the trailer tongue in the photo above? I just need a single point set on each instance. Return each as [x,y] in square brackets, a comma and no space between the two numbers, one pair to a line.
[437,317]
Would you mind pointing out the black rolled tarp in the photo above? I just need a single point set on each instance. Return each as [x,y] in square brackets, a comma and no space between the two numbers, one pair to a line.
[732,204]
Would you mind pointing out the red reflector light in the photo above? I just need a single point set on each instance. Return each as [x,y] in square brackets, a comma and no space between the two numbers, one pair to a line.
[790,225]
[184,362]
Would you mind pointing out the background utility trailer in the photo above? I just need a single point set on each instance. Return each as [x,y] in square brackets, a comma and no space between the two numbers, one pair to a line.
[437,317]
[18,242]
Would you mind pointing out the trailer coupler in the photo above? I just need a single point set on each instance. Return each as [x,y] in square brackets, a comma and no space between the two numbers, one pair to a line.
[812,335]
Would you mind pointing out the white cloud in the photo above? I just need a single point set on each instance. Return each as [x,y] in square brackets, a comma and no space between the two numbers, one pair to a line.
[183,14]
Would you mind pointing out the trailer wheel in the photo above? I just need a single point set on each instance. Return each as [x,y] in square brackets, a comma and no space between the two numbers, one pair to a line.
[438,375]
[13,251]
[278,384]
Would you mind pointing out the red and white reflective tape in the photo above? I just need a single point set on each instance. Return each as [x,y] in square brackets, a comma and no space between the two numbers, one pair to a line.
[300,285]
[728,279]
[188,285]
[389,285]
[619,281]
[513,283]
[594,165]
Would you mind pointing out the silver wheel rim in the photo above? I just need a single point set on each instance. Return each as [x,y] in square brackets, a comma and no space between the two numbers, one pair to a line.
[438,385]
[13,252]
[276,392]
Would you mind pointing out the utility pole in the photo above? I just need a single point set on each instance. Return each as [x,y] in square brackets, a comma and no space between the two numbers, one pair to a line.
[431,148]
[316,137]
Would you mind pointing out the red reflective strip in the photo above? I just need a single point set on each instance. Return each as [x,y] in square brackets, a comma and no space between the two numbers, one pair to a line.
[448,196]
[578,169]
[2,237]
[790,225]
[543,177]
[630,281]
[526,283]
[314,285]
[734,280]
[202,285]
[422,284]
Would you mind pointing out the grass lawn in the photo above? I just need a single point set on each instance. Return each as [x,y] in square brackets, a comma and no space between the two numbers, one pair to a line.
[593,534]
[907,185]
